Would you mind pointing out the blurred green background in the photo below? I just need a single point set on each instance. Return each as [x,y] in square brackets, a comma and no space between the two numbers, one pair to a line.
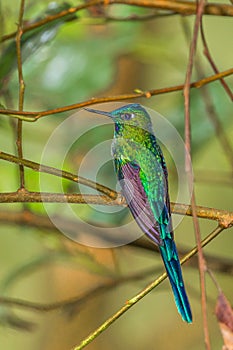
[68,62]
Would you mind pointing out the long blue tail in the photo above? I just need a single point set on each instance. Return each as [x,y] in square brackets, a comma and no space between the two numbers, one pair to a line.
[172,265]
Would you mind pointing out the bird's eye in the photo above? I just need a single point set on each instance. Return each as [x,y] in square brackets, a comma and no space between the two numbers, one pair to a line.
[127,116]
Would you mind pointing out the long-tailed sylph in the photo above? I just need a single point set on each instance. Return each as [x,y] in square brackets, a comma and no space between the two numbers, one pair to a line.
[143,177]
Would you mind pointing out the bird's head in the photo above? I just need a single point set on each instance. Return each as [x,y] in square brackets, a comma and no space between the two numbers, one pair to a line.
[130,118]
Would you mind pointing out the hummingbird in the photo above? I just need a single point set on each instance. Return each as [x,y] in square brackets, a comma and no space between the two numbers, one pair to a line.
[143,177]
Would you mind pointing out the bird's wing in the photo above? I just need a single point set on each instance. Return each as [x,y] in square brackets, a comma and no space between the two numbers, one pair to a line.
[161,202]
[130,178]
[165,179]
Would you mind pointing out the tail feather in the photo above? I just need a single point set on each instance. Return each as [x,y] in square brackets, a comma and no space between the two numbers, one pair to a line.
[173,268]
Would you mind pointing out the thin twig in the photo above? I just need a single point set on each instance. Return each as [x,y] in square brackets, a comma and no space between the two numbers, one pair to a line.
[211,112]
[142,294]
[21,91]
[210,109]
[211,61]
[201,259]
[34,116]
[211,274]
[218,128]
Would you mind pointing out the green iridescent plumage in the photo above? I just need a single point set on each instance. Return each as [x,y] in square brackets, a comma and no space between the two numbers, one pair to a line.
[142,173]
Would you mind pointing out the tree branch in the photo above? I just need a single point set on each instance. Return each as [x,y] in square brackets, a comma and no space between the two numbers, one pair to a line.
[21,91]
[34,116]
[211,61]
[224,218]
[60,173]
[141,295]
[181,7]
[201,259]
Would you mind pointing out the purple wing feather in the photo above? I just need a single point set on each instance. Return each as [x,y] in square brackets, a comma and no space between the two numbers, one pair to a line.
[159,232]
[137,201]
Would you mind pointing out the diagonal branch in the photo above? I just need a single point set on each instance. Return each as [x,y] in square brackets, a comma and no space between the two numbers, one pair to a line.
[60,173]
[34,116]
[142,294]
[211,61]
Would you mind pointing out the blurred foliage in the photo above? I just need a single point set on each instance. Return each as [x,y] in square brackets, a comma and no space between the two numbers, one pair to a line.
[33,40]
[67,62]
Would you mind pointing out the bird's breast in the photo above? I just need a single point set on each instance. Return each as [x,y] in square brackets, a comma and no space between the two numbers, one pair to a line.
[128,150]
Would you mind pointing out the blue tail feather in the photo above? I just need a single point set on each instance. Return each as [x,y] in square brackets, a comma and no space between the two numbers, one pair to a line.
[173,268]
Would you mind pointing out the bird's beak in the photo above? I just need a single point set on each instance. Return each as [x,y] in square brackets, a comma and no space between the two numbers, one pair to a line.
[108,114]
